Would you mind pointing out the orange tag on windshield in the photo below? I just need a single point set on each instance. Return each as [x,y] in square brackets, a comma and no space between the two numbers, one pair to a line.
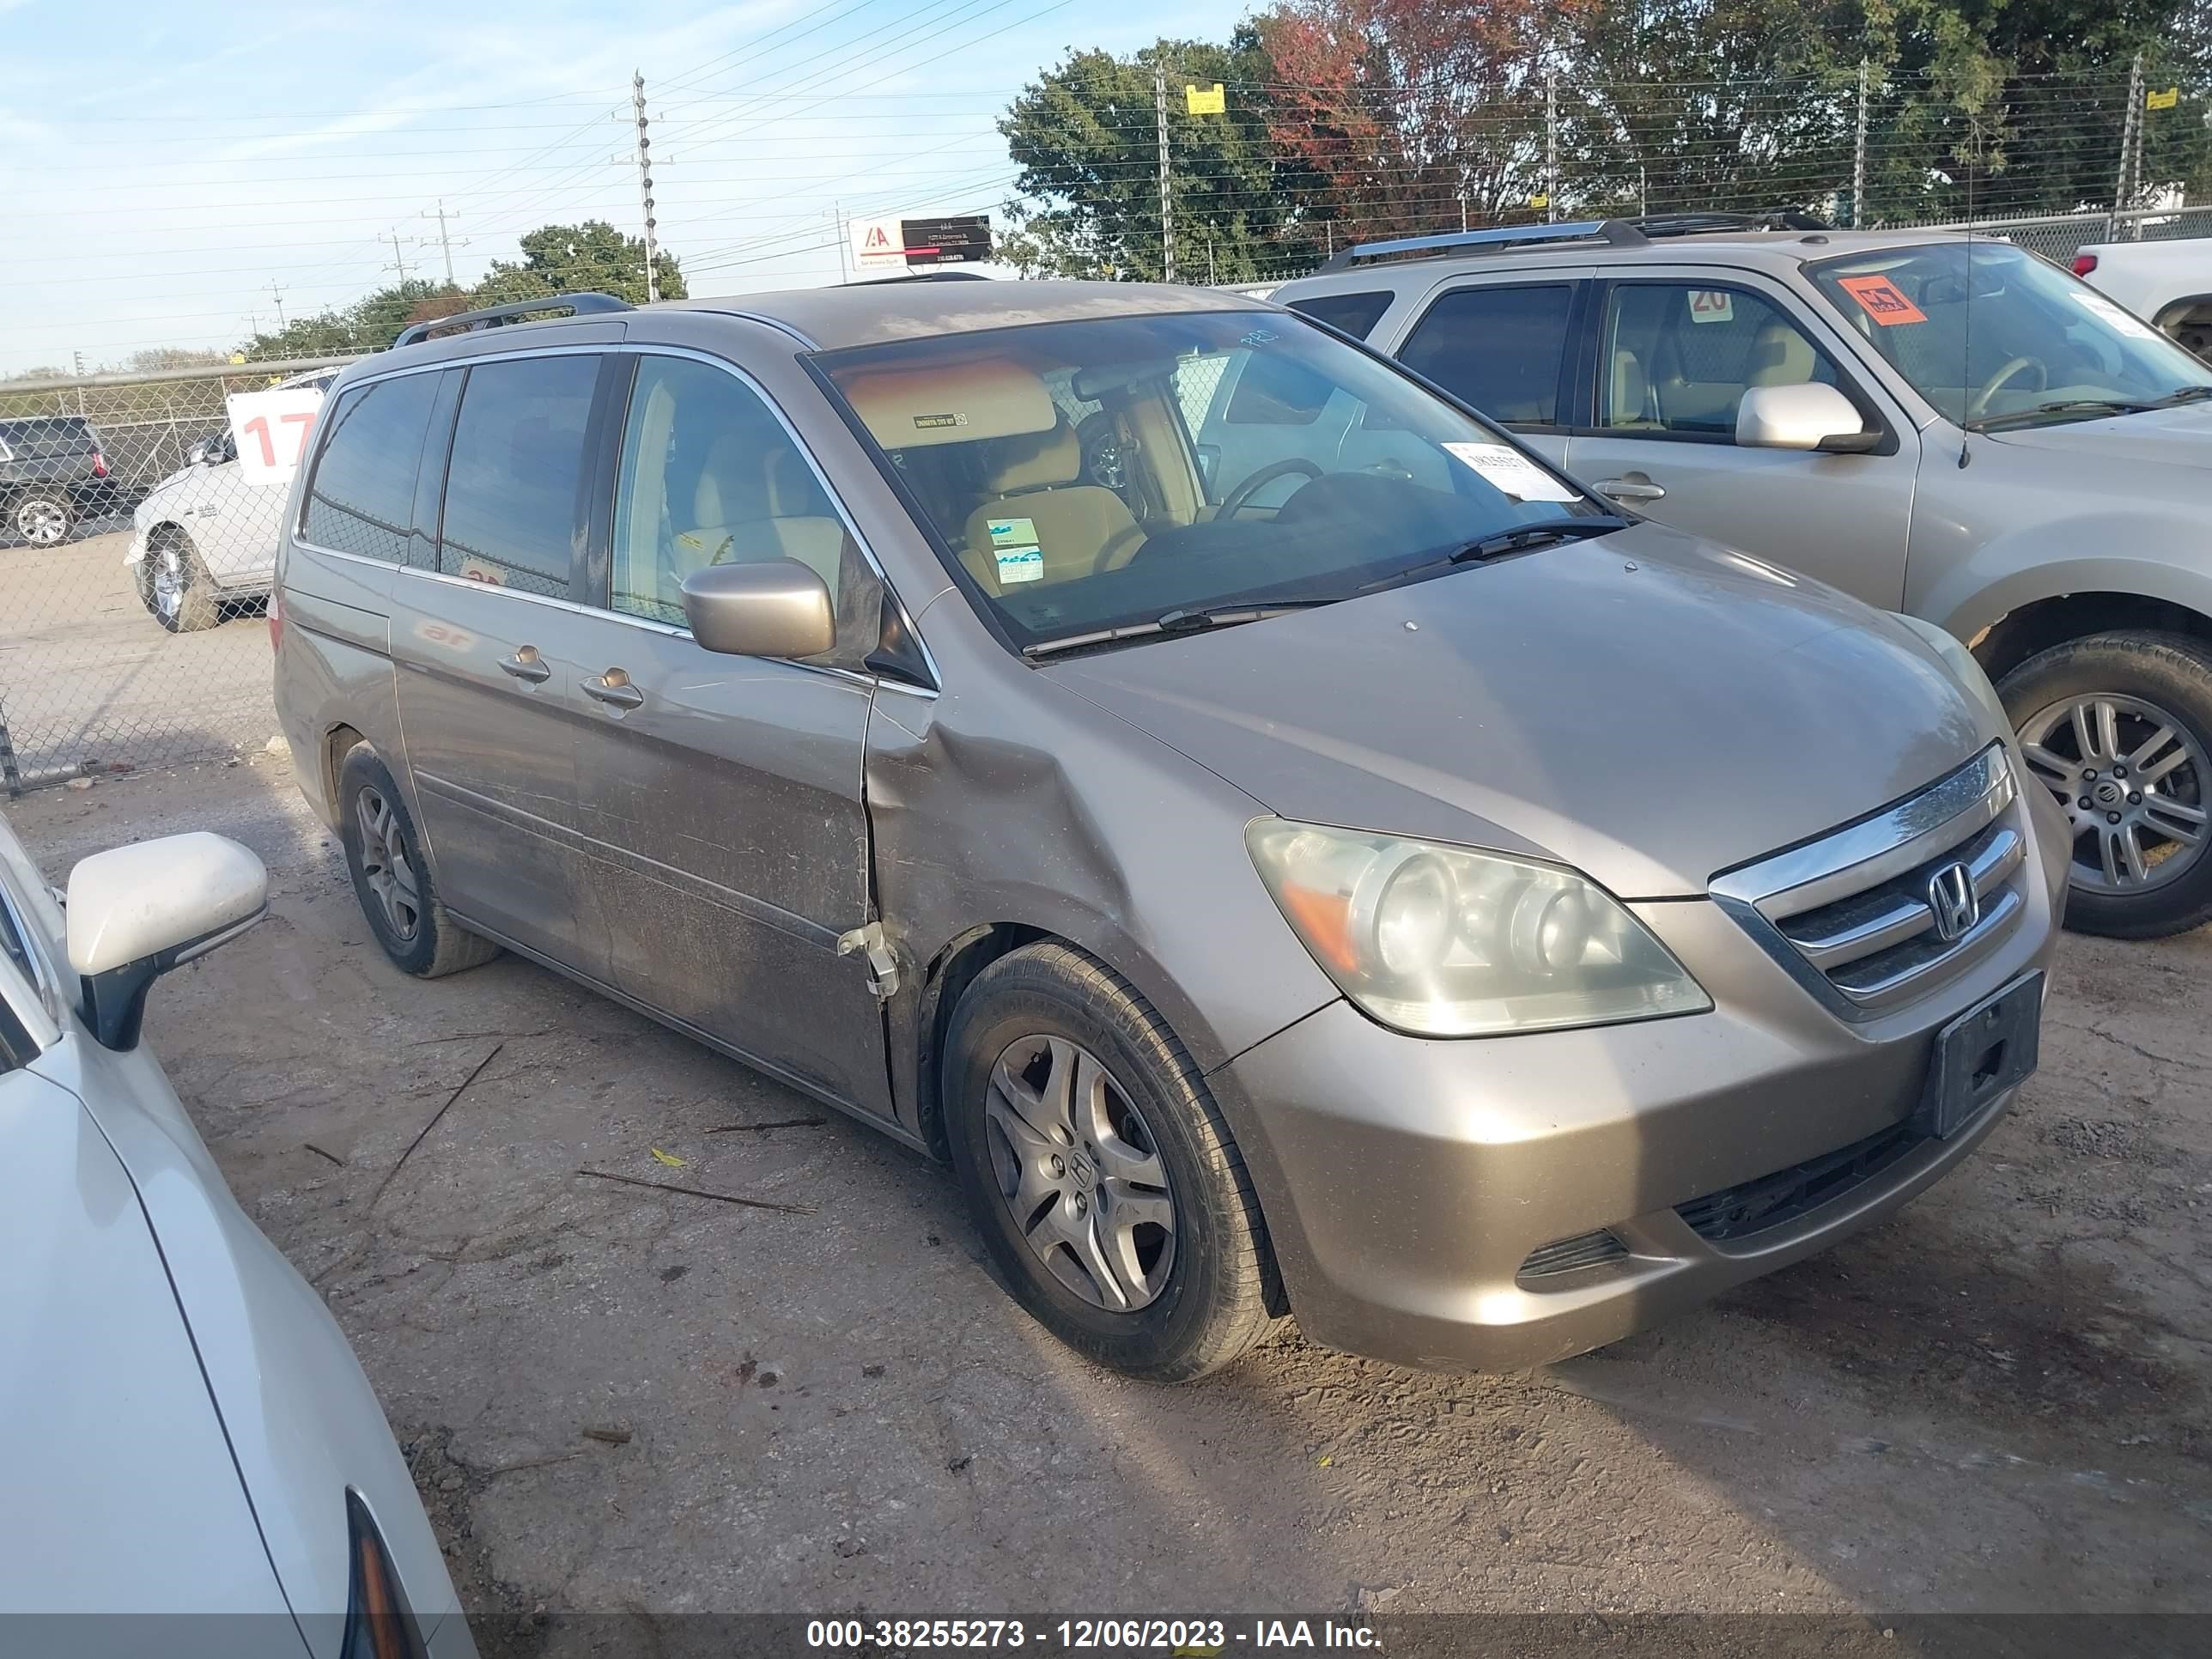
[1882,300]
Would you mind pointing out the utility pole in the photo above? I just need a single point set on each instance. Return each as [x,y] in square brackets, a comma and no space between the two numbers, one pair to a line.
[645,185]
[277,294]
[1858,148]
[844,241]
[1167,207]
[446,239]
[2123,190]
[398,258]
[1551,145]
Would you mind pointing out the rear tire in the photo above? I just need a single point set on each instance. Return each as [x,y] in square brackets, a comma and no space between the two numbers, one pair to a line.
[2142,780]
[1099,1170]
[42,518]
[174,586]
[391,879]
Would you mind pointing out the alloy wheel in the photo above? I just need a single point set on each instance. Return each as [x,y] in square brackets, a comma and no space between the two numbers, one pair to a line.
[385,867]
[41,521]
[1080,1173]
[169,581]
[2131,778]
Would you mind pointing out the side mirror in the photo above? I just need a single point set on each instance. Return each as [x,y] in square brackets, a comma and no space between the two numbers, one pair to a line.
[198,455]
[136,912]
[774,608]
[1807,416]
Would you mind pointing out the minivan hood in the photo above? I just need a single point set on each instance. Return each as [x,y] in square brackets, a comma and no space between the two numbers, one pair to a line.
[2181,436]
[1644,707]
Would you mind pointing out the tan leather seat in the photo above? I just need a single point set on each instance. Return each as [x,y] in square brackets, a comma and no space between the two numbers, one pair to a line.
[745,508]
[1780,356]
[1037,501]
[1628,401]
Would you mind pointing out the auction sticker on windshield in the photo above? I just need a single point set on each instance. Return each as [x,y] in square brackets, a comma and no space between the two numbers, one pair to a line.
[1882,300]
[2117,316]
[1014,548]
[1512,473]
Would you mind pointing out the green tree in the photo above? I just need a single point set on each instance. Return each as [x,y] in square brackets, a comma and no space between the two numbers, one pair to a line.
[592,256]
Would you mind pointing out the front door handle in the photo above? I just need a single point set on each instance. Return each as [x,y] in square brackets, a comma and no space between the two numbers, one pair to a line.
[614,689]
[1631,490]
[527,665]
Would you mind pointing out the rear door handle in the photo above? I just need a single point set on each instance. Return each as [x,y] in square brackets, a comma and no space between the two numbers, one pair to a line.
[1629,489]
[614,689]
[527,665]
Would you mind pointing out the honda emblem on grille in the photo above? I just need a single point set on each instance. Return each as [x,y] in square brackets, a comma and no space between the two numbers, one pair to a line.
[1953,903]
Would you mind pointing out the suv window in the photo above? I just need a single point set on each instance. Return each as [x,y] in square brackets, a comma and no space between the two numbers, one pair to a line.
[1499,349]
[361,498]
[710,476]
[515,485]
[1677,357]
[1355,313]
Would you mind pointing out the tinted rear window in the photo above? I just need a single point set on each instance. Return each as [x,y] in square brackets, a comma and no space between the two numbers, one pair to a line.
[45,439]
[1355,313]
[512,491]
[1498,348]
[362,498]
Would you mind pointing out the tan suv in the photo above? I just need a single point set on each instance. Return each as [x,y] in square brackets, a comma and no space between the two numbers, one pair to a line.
[1429,903]
[1946,426]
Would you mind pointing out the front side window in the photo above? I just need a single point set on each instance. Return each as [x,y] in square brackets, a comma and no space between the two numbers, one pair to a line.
[361,499]
[970,424]
[515,488]
[1500,348]
[1989,334]
[1678,358]
[709,476]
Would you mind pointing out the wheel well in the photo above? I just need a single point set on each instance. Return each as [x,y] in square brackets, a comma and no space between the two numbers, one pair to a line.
[337,743]
[949,977]
[2034,627]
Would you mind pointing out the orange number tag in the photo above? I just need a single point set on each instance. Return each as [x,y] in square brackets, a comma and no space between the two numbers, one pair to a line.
[1883,301]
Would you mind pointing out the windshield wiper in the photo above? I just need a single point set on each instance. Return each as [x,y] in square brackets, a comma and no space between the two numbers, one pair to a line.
[1543,532]
[2188,394]
[2065,406]
[1187,619]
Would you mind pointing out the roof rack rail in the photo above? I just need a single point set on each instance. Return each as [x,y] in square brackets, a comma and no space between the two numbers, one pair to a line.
[1618,231]
[1690,224]
[465,322]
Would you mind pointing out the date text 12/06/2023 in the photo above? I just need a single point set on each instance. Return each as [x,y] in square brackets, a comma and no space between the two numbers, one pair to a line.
[1197,1638]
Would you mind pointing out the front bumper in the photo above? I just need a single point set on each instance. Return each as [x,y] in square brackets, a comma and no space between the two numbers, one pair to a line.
[1405,1182]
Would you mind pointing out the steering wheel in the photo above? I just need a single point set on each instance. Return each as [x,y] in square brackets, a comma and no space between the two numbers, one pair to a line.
[1997,382]
[1241,497]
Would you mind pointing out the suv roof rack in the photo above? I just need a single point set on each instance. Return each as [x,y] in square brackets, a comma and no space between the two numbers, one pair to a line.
[467,322]
[1615,233]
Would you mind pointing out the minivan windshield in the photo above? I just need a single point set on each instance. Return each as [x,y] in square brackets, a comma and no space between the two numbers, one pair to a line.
[1134,475]
[1994,337]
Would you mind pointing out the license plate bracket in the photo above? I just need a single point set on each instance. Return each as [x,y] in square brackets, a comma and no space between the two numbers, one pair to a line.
[1989,1048]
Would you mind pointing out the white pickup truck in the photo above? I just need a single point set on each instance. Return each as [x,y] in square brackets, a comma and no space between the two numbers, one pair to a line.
[2168,284]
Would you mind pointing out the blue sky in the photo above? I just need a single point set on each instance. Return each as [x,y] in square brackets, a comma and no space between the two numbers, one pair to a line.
[167,163]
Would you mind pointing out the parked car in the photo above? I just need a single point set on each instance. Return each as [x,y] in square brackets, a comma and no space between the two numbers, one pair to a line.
[204,542]
[192,1434]
[53,476]
[1431,904]
[2167,283]
[2018,460]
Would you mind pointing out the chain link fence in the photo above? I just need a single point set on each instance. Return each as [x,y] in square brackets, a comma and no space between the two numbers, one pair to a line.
[135,546]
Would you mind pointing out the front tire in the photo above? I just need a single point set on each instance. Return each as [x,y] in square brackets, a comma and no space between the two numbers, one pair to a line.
[174,586]
[2118,728]
[392,879]
[42,518]
[1099,1170]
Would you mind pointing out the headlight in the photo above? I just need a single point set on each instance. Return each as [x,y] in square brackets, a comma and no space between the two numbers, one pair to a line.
[1441,941]
[1960,661]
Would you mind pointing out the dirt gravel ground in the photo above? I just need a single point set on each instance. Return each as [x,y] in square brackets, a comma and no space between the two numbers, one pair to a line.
[1997,1402]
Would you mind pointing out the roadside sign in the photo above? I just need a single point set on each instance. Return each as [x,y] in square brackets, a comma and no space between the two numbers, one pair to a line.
[2166,99]
[918,243]
[270,429]
[1205,100]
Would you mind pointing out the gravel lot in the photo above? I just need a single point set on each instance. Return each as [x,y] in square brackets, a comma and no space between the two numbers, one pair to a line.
[1998,1402]
[85,675]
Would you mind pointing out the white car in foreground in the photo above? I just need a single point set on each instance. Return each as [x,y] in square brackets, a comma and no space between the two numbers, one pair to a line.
[188,1432]
[205,540]
[2167,283]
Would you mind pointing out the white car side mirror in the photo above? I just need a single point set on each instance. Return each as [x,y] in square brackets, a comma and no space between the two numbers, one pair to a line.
[1807,416]
[136,912]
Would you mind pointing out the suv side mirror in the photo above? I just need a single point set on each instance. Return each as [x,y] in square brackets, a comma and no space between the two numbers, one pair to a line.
[136,912]
[772,608]
[1807,416]
[199,453]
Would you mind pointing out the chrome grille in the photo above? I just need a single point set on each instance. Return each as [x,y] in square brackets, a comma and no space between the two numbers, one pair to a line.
[1872,915]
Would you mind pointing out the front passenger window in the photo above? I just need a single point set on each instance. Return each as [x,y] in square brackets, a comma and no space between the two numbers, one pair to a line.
[710,476]
[1678,358]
